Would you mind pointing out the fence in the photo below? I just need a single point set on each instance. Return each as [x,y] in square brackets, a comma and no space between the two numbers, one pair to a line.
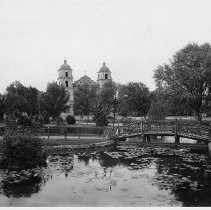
[64,131]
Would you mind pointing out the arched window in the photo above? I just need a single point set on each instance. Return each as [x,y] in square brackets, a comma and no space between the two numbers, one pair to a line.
[106,76]
[66,74]
[66,83]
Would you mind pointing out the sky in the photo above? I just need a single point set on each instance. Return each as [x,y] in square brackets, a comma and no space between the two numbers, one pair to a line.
[133,37]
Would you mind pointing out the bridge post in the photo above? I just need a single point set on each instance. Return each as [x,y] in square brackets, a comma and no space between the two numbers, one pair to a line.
[144,138]
[142,130]
[115,143]
[148,138]
[177,140]
[139,128]
[210,131]
[142,126]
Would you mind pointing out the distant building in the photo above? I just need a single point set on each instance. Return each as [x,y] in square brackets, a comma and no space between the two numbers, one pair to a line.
[84,80]
[104,76]
[66,79]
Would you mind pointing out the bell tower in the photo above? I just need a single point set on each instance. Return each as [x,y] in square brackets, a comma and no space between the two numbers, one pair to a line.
[104,75]
[65,78]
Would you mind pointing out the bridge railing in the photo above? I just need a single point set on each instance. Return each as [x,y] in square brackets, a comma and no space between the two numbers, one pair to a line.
[194,129]
[160,126]
[176,127]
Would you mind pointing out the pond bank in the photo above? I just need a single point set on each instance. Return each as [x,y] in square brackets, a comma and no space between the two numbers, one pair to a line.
[72,140]
[162,144]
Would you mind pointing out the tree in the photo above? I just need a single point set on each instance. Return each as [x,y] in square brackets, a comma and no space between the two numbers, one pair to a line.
[134,99]
[107,97]
[54,99]
[158,110]
[188,76]
[84,97]
[20,98]
[1,106]
[106,103]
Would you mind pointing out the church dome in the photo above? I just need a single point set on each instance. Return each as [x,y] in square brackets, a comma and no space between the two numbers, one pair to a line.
[104,68]
[65,66]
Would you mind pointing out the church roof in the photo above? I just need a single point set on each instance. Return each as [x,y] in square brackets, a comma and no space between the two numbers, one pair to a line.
[85,79]
[104,68]
[65,66]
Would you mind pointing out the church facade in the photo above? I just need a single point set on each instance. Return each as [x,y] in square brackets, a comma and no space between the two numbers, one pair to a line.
[65,78]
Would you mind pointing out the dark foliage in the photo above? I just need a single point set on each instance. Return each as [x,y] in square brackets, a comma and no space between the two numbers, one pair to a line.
[21,98]
[186,81]
[21,150]
[100,118]
[54,99]
[45,117]
[2,107]
[134,99]
[84,96]
[158,110]
[70,120]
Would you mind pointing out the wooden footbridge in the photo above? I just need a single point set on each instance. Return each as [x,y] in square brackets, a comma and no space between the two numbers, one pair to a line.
[176,128]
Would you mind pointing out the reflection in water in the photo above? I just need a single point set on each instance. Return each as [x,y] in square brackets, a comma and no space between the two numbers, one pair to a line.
[125,176]
[22,183]
[186,179]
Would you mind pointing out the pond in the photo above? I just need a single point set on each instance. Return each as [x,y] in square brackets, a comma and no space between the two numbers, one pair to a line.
[122,176]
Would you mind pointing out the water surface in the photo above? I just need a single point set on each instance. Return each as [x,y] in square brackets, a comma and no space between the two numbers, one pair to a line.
[126,176]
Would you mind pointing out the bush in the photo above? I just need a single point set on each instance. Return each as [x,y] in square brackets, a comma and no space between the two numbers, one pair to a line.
[59,120]
[126,120]
[70,120]
[100,119]
[11,122]
[17,120]
[24,120]
[35,121]
[21,150]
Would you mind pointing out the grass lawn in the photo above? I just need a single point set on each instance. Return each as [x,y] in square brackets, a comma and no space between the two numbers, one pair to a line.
[57,140]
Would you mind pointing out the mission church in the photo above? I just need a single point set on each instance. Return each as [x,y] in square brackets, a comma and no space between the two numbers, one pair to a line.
[65,78]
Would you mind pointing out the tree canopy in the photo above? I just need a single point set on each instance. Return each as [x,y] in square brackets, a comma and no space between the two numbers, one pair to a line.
[84,97]
[1,106]
[20,98]
[54,99]
[134,99]
[188,77]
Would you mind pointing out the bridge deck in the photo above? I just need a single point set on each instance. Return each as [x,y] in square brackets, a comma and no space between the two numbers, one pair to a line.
[162,128]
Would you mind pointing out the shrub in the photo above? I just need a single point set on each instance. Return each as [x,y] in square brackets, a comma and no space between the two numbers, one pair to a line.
[17,120]
[100,119]
[59,120]
[126,120]
[70,120]
[21,150]
[35,122]
[11,122]
[24,120]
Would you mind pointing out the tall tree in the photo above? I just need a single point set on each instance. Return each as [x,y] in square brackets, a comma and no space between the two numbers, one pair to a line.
[134,99]
[1,106]
[54,99]
[107,96]
[188,77]
[105,103]
[20,98]
[84,97]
